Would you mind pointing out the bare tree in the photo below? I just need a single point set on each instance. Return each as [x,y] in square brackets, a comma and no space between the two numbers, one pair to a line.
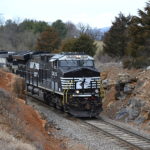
[12,38]
[2,20]
[95,33]
[72,31]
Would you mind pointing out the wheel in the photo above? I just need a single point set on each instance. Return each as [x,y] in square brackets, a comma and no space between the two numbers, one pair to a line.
[65,108]
[58,103]
[45,96]
[57,106]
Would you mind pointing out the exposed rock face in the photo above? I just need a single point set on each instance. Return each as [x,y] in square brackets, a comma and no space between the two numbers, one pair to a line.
[128,88]
[127,95]
[124,86]
[132,110]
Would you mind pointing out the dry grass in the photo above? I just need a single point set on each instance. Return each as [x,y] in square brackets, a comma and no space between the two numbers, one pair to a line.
[8,142]
[100,56]
[99,45]
[99,50]
[9,109]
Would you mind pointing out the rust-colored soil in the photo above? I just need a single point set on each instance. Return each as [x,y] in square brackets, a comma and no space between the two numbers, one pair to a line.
[31,122]
[34,127]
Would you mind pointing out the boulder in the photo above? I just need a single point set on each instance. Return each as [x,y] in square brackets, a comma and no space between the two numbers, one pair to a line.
[128,88]
[107,83]
[133,111]
[141,118]
[123,77]
[148,68]
[144,115]
[126,78]
[120,86]
[120,96]
[122,113]
[136,102]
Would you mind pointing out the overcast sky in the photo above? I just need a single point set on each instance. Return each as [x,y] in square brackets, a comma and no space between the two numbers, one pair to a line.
[96,13]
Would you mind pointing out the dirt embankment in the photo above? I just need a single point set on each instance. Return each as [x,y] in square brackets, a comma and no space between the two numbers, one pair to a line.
[127,95]
[23,123]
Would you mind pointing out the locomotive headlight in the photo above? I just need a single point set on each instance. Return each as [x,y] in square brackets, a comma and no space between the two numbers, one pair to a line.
[77,91]
[96,90]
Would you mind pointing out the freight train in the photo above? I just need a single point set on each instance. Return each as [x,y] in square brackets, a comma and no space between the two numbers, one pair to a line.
[68,81]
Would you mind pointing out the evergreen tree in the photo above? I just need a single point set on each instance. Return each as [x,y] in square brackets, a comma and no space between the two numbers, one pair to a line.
[138,48]
[139,32]
[60,27]
[68,44]
[48,40]
[115,40]
[35,26]
[84,44]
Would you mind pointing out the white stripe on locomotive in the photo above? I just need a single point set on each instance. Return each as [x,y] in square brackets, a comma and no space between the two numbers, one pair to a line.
[69,83]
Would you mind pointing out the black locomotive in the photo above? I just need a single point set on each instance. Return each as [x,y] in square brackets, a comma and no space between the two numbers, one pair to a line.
[67,81]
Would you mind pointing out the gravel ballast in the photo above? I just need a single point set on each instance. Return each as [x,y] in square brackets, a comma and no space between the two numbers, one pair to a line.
[77,131]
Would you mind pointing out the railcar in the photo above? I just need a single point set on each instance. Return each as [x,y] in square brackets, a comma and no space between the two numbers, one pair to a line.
[16,61]
[67,81]
[3,60]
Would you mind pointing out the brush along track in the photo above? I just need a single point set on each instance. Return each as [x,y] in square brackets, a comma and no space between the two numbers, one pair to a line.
[127,139]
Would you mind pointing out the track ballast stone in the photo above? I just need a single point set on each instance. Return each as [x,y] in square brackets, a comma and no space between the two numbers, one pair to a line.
[77,131]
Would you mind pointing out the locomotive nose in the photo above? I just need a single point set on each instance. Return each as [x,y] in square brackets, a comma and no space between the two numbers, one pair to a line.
[82,72]
[81,79]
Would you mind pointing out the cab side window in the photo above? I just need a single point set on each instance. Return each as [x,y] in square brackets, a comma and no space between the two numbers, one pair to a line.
[55,64]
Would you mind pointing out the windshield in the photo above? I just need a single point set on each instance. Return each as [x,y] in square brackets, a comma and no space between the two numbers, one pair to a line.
[86,63]
[75,63]
[68,63]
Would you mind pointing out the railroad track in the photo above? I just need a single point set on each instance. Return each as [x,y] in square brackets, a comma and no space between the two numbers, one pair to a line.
[132,140]
[125,138]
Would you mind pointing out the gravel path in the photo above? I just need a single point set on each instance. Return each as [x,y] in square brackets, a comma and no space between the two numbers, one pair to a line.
[77,132]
